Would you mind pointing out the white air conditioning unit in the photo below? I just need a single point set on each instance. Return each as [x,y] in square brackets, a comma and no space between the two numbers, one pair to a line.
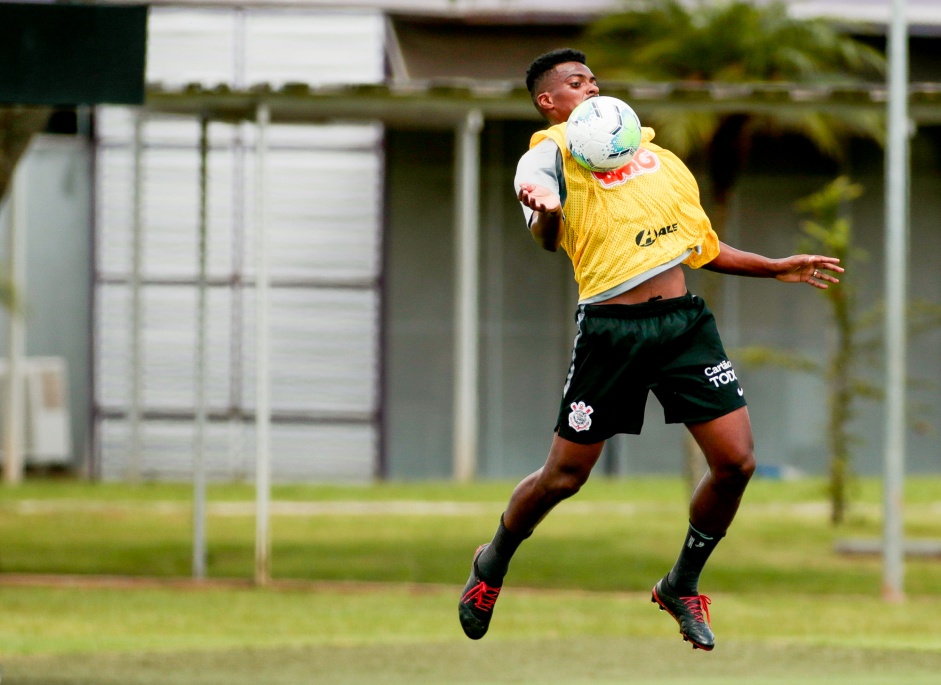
[47,433]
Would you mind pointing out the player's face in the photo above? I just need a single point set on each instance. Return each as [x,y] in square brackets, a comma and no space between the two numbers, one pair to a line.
[568,86]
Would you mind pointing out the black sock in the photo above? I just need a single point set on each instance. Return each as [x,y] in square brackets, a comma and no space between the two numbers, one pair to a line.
[684,577]
[494,561]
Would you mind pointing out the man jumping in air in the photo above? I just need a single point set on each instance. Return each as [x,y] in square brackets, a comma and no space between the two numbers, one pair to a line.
[628,234]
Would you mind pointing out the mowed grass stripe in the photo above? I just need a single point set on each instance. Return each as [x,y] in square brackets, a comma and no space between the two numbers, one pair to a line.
[88,620]
[556,661]
[617,535]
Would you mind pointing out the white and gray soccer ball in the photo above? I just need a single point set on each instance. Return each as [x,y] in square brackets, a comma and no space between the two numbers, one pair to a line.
[603,133]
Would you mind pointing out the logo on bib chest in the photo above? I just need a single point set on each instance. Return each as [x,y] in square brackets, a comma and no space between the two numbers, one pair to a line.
[580,418]
[643,162]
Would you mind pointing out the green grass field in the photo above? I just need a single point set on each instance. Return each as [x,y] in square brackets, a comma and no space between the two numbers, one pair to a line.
[367,577]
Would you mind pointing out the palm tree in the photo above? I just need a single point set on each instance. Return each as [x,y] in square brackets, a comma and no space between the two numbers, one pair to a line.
[733,41]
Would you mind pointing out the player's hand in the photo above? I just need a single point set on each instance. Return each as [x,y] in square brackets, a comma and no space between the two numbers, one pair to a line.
[809,269]
[539,199]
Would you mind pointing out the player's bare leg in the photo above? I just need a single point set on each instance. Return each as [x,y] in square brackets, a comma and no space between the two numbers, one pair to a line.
[566,469]
[728,446]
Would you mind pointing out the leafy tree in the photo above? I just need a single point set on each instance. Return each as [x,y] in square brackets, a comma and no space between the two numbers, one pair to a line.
[828,230]
[858,336]
[834,234]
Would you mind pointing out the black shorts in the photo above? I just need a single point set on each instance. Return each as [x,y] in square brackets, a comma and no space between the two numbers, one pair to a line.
[621,352]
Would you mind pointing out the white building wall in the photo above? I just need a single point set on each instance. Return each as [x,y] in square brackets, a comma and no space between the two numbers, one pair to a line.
[325,202]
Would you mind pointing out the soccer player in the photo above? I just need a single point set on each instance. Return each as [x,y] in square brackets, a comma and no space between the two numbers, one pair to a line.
[628,233]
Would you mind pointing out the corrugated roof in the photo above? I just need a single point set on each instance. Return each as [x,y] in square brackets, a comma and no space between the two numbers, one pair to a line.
[444,103]
[455,8]
[921,13]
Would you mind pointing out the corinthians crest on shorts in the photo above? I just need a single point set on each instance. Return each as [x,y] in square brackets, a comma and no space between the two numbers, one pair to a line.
[580,416]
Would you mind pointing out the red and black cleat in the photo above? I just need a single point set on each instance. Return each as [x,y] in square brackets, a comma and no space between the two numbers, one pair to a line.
[477,599]
[692,613]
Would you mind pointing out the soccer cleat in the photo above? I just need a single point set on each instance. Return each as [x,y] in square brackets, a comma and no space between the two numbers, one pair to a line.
[476,606]
[692,613]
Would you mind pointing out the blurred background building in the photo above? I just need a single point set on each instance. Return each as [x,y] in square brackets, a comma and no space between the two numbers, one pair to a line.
[370,102]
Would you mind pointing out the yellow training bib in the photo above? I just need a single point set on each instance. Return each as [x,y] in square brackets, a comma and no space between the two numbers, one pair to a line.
[620,224]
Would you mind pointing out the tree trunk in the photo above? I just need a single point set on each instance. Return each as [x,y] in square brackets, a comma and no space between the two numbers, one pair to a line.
[840,407]
[728,151]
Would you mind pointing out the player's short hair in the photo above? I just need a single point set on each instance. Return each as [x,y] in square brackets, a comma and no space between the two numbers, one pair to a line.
[545,63]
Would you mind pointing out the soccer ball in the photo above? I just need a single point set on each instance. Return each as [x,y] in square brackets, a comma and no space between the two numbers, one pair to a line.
[603,133]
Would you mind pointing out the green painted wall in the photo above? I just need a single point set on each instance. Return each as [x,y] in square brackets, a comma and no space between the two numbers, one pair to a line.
[528,301]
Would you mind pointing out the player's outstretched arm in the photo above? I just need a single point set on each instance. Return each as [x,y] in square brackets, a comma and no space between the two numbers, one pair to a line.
[548,222]
[802,268]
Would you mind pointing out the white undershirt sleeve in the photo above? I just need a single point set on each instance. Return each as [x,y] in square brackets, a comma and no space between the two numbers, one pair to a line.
[541,165]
